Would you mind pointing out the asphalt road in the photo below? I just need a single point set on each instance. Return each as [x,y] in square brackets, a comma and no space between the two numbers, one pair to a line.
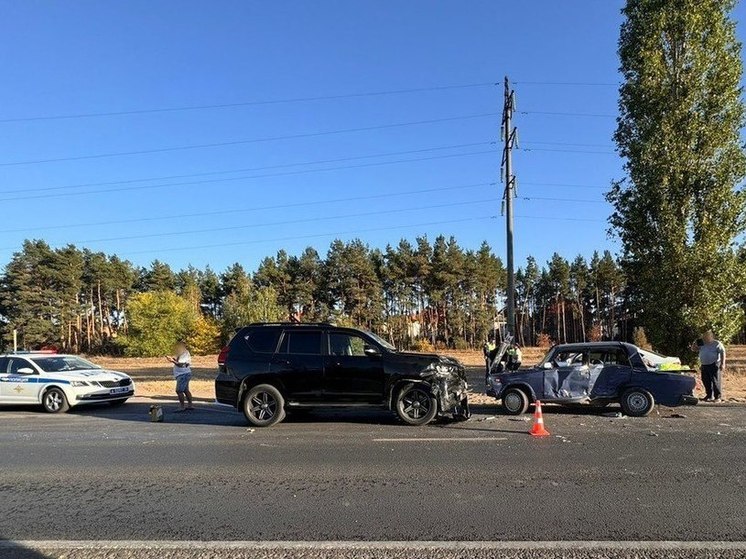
[110,474]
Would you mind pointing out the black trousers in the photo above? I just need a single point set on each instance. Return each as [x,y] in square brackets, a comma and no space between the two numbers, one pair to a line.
[712,380]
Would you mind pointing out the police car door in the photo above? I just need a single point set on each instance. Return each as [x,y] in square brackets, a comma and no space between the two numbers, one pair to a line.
[18,382]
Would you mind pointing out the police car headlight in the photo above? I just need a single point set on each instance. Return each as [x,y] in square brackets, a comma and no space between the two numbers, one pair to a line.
[79,383]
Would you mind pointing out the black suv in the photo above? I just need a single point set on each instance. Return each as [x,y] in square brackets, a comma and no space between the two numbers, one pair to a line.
[269,368]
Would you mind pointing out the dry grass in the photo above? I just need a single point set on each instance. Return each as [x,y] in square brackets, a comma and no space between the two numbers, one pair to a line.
[153,375]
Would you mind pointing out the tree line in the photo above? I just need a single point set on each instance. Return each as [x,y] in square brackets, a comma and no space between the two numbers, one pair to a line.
[419,295]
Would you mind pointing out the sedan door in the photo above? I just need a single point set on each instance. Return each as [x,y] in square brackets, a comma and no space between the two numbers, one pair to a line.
[569,377]
[351,374]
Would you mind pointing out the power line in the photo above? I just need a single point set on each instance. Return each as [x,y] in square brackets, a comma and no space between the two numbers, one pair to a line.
[250,141]
[569,151]
[248,103]
[317,235]
[275,223]
[565,185]
[265,175]
[556,113]
[591,84]
[569,144]
[349,232]
[579,200]
[553,218]
[249,210]
[243,169]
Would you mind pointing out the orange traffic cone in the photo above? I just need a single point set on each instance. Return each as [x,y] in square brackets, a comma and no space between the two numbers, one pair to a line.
[538,428]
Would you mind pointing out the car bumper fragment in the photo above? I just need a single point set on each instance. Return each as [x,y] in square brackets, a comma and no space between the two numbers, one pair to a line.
[687,400]
[452,397]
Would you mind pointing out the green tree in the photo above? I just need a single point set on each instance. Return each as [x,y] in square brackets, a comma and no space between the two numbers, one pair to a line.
[248,303]
[157,320]
[679,211]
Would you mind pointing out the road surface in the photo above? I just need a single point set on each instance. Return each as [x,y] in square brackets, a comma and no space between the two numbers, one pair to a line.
[106,474]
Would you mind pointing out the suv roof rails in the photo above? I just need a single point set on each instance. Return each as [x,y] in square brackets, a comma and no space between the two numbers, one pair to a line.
[290,324]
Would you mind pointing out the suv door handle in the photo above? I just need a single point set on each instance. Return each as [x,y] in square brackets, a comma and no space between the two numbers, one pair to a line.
[278,361]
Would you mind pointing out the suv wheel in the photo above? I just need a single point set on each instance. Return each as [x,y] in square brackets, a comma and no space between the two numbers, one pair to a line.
[637,402]
[515,401]
[415,405]
[263,405]
[54,401]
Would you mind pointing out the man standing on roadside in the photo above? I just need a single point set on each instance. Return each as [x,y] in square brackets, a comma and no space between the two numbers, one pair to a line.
[712,362]
[182,362]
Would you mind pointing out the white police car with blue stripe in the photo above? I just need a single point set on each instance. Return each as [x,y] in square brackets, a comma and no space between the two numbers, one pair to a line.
[57,382]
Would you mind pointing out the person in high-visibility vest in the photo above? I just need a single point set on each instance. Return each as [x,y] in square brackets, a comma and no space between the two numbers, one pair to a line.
[488,349]
[515,356]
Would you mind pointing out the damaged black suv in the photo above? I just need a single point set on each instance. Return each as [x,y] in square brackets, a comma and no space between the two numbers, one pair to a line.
[270,368]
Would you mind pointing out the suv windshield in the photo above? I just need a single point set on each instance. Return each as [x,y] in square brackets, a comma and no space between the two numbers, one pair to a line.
[61,363]
[381,341]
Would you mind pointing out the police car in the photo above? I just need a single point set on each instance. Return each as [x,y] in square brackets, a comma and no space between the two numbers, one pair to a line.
[57,382]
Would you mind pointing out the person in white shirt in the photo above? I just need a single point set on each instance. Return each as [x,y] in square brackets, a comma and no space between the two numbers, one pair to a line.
[182,362]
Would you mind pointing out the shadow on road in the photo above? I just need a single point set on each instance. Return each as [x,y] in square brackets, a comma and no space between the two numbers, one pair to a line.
[13,550]
[209,414]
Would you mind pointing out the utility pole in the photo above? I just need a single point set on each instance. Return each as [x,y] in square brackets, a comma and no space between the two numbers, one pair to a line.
[509,137]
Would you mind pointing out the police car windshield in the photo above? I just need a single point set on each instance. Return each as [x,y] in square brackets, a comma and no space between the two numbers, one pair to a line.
[62,363]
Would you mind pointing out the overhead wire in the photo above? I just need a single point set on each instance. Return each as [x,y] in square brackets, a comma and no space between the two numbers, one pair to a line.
[201,214]
[250,141]
[247,177]
[314,219]
[244,169]
[247,103]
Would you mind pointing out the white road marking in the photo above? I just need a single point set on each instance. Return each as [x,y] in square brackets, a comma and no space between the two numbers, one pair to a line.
[385,545]
[438,439]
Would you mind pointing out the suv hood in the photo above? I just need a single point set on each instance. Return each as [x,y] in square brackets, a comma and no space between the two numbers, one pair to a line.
[420,361]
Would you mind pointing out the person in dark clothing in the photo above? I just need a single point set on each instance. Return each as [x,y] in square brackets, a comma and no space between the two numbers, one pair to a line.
[712,363]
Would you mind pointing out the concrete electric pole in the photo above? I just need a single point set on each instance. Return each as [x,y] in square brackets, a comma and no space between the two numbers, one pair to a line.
[509,137]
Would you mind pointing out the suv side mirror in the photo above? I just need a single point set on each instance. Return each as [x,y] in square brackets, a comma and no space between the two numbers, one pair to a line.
[371,351]
[26,371]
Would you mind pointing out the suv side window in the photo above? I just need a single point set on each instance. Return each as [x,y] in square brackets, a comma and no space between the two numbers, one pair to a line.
[262,340]
[346,344]
[301,343]
[3,365]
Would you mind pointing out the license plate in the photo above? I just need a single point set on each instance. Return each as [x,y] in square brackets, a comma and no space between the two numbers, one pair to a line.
[119,390]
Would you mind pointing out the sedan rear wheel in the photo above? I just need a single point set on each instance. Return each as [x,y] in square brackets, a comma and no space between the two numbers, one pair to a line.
[263,405]
[415,405]
[637,402]
[55,401]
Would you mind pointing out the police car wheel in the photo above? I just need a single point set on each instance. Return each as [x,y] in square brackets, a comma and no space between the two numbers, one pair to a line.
[55,401]
[117,403]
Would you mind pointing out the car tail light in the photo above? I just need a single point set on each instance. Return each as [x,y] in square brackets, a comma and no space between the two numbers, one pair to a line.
[223,355]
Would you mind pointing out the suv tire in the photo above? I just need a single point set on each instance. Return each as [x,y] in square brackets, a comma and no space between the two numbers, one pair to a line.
[415,405]
[637,402]
[263,405]
[515,401]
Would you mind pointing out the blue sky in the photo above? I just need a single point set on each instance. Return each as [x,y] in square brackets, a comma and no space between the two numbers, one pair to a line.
[100,57]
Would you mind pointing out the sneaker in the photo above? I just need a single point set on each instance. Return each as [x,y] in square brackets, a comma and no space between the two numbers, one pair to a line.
[708,399]
[718,400]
